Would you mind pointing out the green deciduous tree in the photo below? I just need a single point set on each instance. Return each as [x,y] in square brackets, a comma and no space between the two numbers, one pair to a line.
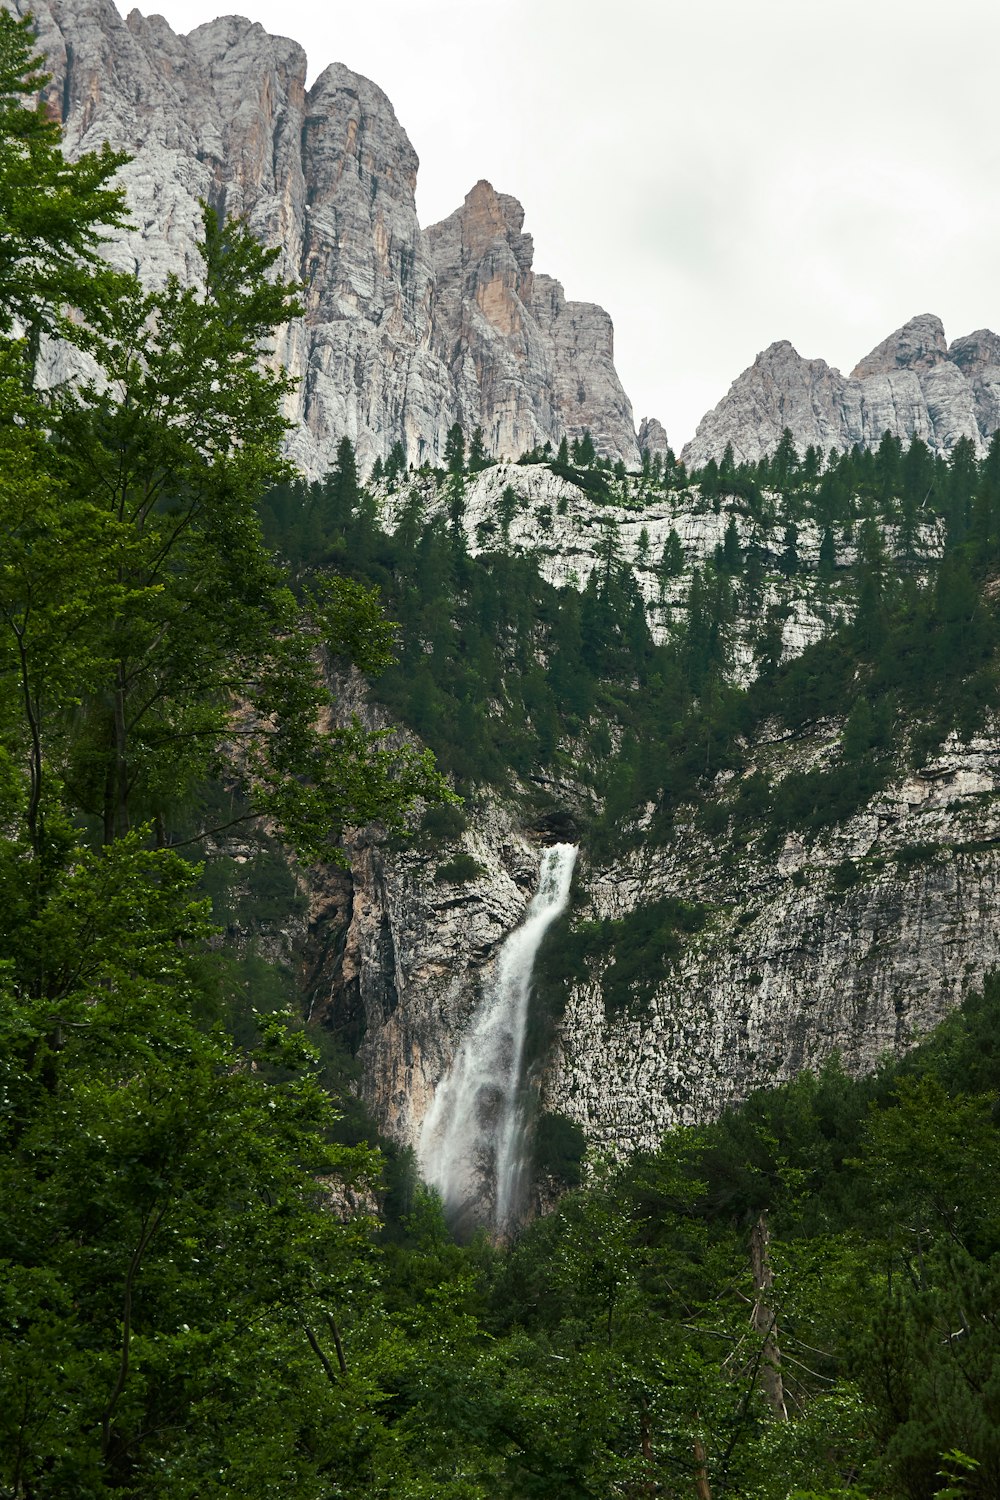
[162,1229]
[53,214]
[176,1316]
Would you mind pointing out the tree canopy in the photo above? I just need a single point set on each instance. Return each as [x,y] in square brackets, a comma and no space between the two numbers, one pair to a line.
[174,1280]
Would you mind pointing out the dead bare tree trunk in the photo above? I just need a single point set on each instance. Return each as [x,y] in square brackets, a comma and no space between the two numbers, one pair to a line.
[765,1319]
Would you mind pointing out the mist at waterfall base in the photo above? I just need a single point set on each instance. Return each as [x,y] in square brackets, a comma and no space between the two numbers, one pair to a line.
[473,1144]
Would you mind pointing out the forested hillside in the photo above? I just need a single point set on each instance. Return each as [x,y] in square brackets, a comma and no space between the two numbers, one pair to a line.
[508,675]
[215,1279]
[644,690]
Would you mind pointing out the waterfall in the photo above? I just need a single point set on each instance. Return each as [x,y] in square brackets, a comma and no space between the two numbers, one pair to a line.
[472,1140]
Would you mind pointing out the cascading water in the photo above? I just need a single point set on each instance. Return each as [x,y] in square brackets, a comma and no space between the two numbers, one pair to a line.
[472,1140]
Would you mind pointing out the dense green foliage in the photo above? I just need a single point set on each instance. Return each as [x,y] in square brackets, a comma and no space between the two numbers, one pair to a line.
[212,1283]
[644,946]
[172,1275]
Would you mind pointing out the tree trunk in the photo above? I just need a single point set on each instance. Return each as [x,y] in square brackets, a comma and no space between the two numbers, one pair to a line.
[701,1485]
[765,1319]
[116,814]
[646,1444]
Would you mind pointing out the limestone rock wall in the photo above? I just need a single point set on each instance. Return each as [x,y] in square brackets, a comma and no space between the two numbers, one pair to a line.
[404,332]
[912,385]
[409,955]
[794,965]
[797,962]
[484,330]
[803,954]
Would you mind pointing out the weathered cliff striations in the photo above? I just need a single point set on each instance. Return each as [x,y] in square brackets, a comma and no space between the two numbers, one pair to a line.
[795,965]
[805,956]
[912,385]
[512,343]
[404,333]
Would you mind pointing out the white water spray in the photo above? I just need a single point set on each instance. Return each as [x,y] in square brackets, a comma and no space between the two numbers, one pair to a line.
[472,1139]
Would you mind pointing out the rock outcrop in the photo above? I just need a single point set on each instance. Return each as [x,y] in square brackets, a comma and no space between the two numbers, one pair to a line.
[405,332]
[856,940]
[913,385]
[856,943]
[653,437]
[544,365]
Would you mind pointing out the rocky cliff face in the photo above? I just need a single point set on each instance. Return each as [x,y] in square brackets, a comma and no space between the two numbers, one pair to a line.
[404,332]
[855,943]
[912,385]
[856,940]
[545,365]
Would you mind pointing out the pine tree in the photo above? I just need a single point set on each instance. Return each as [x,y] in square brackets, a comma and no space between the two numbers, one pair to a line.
[871,618]
[395,464]
[672,557]
[586,453]
[827,554]
[784,463]
[478,456]
[788,562]
[454,450]
[961,486]
[986,506]
[732,552]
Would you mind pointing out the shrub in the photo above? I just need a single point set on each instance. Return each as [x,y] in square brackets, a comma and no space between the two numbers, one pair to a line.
[442,821]
[559,1147]
[459,871]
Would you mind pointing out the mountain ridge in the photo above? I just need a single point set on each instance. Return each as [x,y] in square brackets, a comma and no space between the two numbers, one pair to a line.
[912,385]
[408,330]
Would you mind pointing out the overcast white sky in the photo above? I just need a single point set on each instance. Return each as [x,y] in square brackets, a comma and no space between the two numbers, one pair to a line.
[718,174]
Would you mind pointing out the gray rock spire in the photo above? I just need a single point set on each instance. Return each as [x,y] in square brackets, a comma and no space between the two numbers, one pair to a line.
[911,385]
[404,332]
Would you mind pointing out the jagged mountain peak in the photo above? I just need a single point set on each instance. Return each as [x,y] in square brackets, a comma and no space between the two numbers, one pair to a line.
[919,345]
[485,220]
[911,385]
[782,354]
[493,312]
[974,353]
[653,437]
[405,332]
